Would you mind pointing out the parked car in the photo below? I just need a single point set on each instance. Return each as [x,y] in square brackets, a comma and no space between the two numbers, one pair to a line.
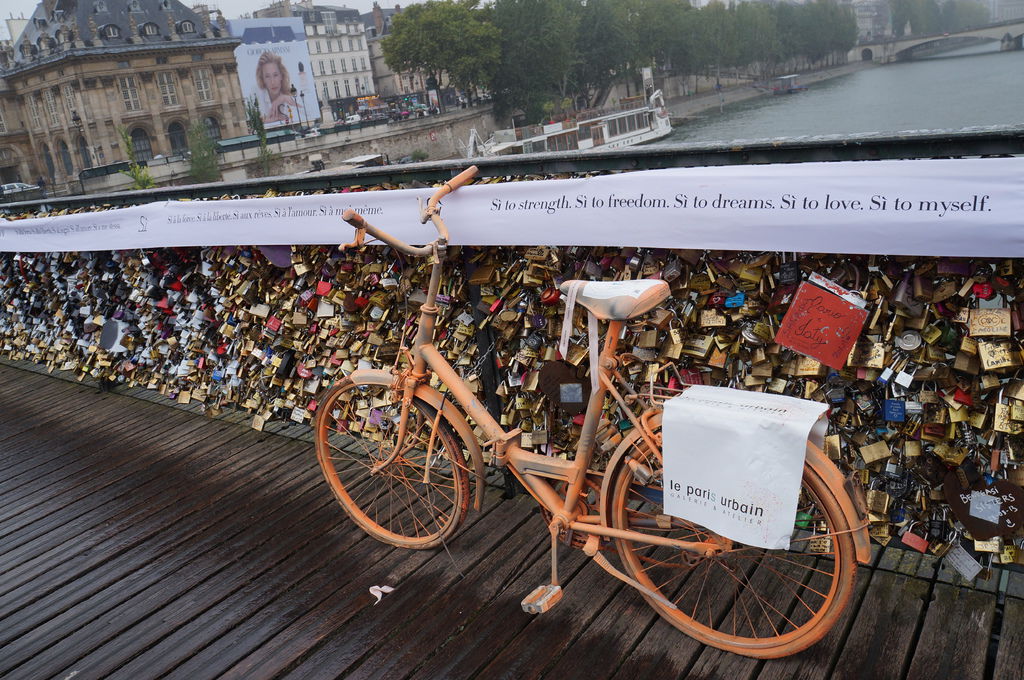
[353,118]
[19,191]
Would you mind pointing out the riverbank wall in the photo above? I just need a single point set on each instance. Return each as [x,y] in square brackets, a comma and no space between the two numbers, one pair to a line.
[686,107]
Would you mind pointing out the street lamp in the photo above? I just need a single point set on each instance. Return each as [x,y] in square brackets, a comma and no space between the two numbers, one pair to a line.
[302,96]
[80,125]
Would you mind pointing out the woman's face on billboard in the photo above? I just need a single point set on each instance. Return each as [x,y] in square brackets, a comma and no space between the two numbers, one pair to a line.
[272,79]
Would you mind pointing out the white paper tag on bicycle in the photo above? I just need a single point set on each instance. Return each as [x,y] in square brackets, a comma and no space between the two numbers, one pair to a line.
[734,460]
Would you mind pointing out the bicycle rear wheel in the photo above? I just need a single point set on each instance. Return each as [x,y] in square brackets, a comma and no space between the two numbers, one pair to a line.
[747,600]
[398,497]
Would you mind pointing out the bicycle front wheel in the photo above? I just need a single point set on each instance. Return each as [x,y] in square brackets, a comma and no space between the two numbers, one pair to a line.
[747,600]
[412,497]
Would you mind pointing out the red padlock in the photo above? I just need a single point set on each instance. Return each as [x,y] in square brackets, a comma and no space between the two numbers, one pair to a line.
[550,296]
[983,291]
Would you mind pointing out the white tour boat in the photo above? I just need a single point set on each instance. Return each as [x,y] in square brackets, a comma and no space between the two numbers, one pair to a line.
[634,121]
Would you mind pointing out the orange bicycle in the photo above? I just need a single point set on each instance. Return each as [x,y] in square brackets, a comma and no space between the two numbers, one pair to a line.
[399,455]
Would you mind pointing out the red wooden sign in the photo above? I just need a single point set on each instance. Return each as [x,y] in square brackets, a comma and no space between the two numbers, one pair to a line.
[821,325]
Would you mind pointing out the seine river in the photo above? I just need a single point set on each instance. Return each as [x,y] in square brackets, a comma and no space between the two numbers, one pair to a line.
[972,87]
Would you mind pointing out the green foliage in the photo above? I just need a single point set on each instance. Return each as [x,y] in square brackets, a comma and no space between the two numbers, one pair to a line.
[553,49]
[931,16]
[139,174]
[419,155]
[451,39]
[203,154]
[538,53]
[255,120]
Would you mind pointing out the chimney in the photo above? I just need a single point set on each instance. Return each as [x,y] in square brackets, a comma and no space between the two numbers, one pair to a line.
[378,19]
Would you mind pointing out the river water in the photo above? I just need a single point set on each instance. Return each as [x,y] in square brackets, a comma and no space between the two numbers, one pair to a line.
[969,88]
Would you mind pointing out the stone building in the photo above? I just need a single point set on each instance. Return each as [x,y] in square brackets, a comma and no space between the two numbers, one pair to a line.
[390,85]
[338,53]
[82,69]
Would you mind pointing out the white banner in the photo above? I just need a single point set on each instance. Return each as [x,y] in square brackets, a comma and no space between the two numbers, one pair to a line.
[734,459]
[968,208]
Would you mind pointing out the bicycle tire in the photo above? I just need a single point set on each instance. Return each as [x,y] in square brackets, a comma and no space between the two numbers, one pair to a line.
[355,429]
[750,601]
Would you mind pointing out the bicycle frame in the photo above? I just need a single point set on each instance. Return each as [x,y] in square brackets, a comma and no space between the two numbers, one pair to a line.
[537,472]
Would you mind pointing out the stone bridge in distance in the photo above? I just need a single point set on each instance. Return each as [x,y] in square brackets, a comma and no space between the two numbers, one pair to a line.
[1007,33]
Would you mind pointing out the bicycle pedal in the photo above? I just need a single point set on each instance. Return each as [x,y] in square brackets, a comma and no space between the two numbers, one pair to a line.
[542,599]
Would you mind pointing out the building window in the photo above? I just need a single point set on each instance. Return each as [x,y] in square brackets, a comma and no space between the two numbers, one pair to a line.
[344,66]
[333,68]
[84,156]
[3,123]
[323,68]
[51,106]
[212,127]
[65,158]
[348,90]
[178,138]
[318,50]
[168,90]
[150,29]
[129,93]
[134,6]
[33,110]
[99,6]
[111,31]
[187,27]
[351,45]
[327,92]
[69,98]
[51,170]
[362,63]
[337,90]
[202,79]
[353,63]
[330,21]
[143,147]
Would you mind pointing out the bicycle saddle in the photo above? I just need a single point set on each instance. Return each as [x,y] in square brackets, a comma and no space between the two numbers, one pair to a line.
[618,300]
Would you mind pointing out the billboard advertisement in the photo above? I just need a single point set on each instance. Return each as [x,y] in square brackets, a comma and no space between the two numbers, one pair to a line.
[273,66]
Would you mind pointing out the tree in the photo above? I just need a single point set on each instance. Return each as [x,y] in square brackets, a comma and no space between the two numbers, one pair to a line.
[440,38]
[140,175]
[203,154]
[538,54]
[255,120]
[603,49]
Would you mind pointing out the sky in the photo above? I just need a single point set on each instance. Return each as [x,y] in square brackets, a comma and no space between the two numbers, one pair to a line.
[232,9]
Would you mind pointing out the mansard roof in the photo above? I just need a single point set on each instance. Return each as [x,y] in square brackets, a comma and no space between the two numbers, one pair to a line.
[61,24]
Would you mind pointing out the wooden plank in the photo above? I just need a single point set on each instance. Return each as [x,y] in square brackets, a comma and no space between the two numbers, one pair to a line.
[112,493]
[1010,655]
[103,643]
[609,638]
[50,441]
[542,642]
[716,662]
[817,661]
[377,564]
[183,538]
[448,618]
[96,461]
[242,622]
[954,652]
[880,644]
[72,557]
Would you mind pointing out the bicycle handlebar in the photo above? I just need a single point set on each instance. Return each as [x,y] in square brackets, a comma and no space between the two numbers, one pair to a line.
[362,226]
[432,212]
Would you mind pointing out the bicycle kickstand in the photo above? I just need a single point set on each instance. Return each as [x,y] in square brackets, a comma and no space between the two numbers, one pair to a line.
[544,597]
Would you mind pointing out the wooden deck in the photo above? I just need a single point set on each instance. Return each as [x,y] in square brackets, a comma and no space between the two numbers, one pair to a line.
[142,541]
